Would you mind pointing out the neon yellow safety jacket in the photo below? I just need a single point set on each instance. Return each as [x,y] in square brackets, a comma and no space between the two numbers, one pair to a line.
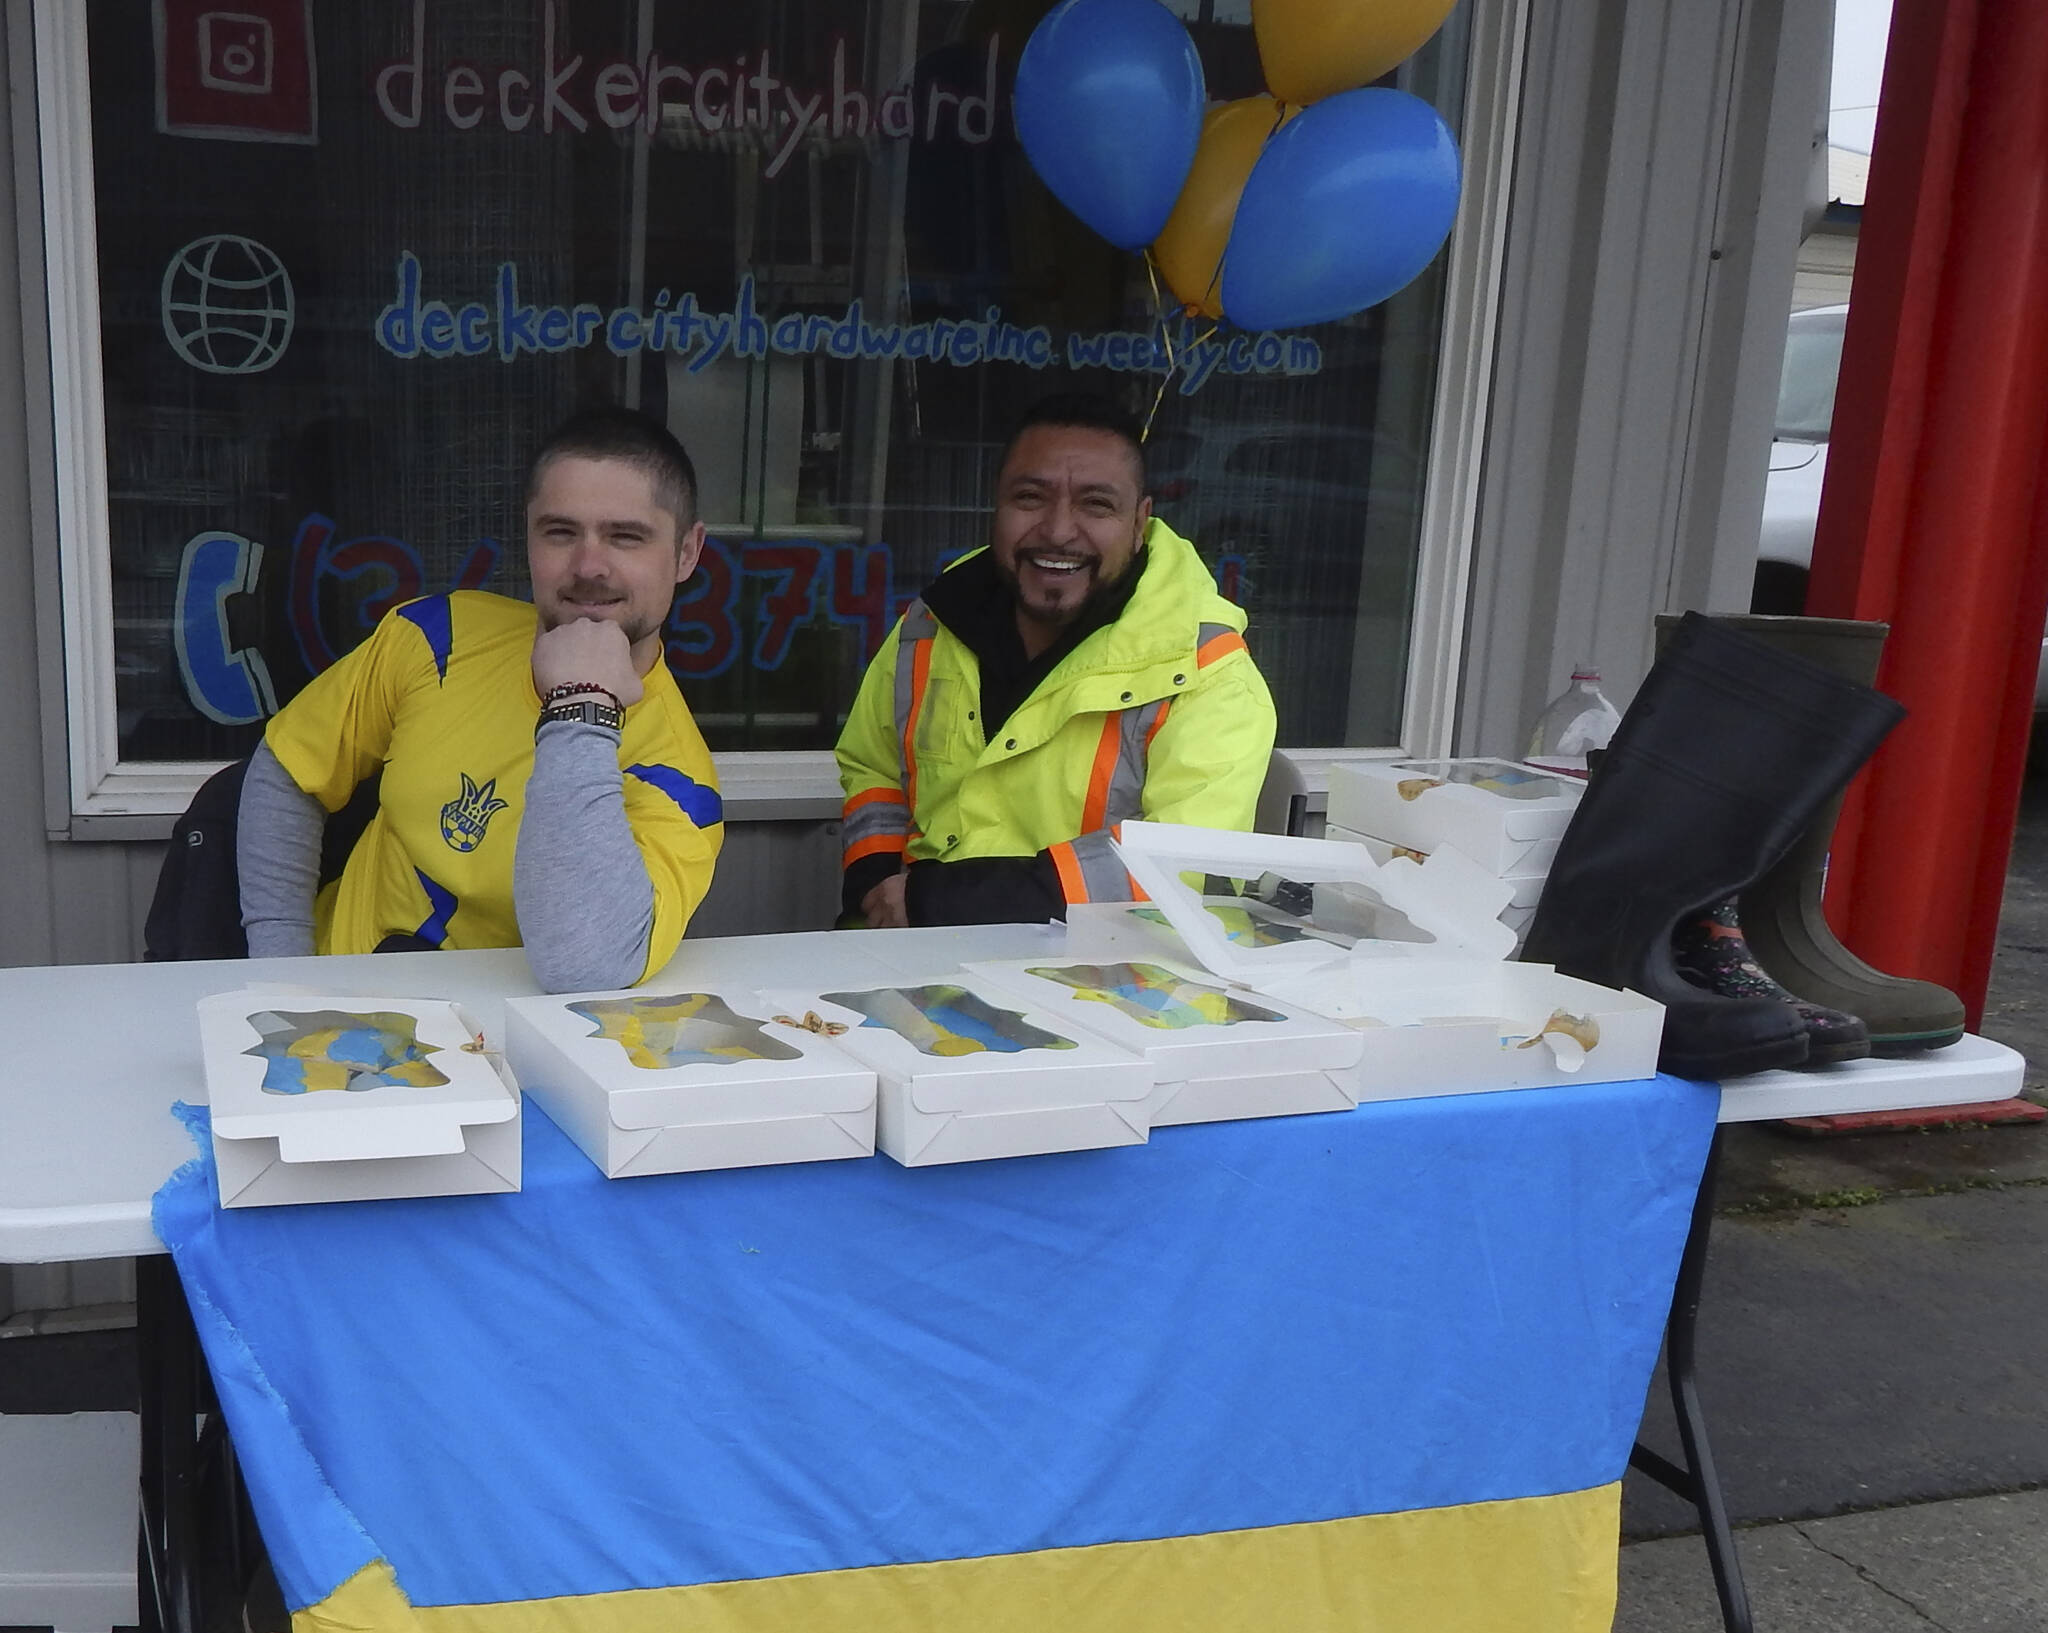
[1160,715]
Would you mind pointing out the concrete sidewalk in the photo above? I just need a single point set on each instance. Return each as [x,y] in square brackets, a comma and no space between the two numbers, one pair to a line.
[1871,1345]
[1975,1565]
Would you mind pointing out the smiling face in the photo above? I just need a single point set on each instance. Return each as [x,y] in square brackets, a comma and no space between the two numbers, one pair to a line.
[1069,520]
[601,545]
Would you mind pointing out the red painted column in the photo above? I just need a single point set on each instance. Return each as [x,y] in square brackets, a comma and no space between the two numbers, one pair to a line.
[1935,513]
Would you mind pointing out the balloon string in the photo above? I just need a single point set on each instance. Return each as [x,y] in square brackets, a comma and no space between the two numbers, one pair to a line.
[1166,330]
[1158,397]
[1152,278]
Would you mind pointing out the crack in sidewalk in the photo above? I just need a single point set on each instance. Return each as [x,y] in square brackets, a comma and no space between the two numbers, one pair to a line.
[1863,1572]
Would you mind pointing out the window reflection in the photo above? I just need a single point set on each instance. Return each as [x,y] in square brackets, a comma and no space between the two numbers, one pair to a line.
[839,307]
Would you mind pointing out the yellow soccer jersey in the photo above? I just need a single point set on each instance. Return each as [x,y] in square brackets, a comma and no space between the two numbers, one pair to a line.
[441,697]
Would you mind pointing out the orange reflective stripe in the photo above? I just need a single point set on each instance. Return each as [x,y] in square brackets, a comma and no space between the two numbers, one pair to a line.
[1068,865]
[1158,720]
[875,845]
[920,674]
[1095,809]
[1218,646]
[869,796]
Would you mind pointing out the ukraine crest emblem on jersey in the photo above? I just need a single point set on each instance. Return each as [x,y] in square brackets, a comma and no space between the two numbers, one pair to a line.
[464,818]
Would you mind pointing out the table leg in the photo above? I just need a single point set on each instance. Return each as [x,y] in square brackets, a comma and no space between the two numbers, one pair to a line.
[167,1358]
[1697,1481]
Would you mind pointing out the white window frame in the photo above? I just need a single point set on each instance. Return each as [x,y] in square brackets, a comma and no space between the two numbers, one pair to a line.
[101,796]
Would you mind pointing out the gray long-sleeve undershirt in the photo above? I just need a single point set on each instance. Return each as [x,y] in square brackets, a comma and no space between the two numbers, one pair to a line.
[277,856]
[579,886]
[580,890]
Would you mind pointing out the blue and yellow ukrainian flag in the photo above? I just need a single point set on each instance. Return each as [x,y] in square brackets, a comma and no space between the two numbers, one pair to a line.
[1367,1372]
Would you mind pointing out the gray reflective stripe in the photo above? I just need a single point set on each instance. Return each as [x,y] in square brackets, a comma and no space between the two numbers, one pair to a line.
[1101,872]
[918,625]
[876,817]
[1127,782]
[1205,633]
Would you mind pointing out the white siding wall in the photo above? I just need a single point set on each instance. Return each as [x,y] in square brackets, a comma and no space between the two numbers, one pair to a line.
[36,875]
[1661,177]
[1827,261]
[30,1293]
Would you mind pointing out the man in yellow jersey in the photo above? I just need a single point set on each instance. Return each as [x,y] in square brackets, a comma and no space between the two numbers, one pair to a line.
[1080,670]
[543,783]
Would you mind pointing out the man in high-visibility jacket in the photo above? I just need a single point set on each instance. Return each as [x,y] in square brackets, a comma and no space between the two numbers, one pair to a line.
[1079,671]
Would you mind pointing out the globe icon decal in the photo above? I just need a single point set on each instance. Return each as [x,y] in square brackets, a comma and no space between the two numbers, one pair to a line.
[227,305]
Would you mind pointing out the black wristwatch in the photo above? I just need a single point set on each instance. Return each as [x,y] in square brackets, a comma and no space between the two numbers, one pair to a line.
[584,710]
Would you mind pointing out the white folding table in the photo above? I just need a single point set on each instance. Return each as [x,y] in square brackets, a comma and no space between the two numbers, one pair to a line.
[98,1054]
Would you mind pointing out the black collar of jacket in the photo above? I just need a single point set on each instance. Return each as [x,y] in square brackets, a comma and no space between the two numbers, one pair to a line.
[973,602]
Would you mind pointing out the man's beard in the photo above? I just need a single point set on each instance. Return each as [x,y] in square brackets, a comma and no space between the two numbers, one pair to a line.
[1099,591]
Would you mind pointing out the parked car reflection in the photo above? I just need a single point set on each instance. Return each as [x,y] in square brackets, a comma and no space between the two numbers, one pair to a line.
[1799,463]
[1314,530]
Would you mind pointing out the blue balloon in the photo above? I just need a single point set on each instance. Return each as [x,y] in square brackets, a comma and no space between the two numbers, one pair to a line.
[1109,101]
[1348,202]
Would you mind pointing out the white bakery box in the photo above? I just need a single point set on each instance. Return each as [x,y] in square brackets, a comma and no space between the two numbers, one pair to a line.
[1448,1026]
[1434,1017]
[1220,1052]
[318,1098]
[666,1080]
[967,1072]
[1527,887]
[1308,901]
[1506,816]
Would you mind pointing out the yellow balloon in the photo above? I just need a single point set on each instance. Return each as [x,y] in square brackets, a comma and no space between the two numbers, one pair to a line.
[1189,248]
[1311,49]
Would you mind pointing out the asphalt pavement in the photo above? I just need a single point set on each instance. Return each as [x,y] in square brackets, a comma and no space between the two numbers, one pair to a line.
[1871,1340]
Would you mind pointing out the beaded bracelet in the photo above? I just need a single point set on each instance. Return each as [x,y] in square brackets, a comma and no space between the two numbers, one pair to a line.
[589,714]
[577,688]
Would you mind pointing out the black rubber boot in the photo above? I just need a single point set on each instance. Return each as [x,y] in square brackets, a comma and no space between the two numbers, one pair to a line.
[1781,912]
[1718,766]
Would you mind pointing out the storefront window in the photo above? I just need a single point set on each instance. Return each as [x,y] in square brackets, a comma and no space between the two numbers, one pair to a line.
[355,259]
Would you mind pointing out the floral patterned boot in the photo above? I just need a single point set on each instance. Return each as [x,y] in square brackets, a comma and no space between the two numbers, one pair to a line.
[1710,952]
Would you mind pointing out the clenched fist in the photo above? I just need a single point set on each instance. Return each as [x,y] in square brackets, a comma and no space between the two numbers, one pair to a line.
[587,651]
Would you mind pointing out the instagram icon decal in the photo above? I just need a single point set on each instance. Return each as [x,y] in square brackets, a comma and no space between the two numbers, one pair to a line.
[236,70]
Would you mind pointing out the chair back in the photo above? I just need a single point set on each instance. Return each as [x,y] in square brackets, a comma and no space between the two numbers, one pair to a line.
[1283,799]
[197,909]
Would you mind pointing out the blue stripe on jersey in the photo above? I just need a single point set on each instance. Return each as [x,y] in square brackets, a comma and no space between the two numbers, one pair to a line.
[700,804]
[434,928]
[434,621]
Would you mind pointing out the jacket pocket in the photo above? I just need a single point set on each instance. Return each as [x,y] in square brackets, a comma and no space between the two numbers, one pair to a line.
[944,734]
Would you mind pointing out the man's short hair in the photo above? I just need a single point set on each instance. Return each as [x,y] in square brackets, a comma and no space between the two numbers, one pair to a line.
[634,439]
[1087,411]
